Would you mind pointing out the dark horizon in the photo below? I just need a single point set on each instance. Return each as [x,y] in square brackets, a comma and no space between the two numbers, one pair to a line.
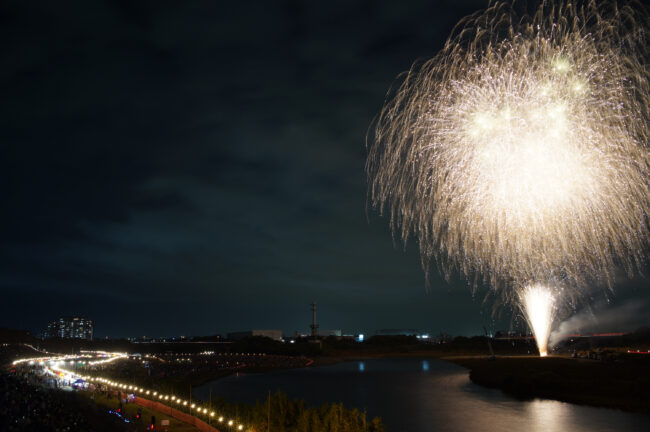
[175,168]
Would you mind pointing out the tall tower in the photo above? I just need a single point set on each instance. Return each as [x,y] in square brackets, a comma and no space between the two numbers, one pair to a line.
[314,326]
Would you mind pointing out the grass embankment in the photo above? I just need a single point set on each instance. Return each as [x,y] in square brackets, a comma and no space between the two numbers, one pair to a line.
[130,410]
[181,386]
[621,385]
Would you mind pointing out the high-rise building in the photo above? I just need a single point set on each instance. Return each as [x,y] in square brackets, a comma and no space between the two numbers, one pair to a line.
[78,327]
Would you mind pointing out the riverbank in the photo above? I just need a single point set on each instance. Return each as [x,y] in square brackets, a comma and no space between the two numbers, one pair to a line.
[130,412]
[198,379]
[621,385]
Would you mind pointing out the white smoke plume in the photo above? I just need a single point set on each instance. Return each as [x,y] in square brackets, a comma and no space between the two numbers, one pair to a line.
[603,318]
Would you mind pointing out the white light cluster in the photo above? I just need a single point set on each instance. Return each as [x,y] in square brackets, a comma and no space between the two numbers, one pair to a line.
[538,306]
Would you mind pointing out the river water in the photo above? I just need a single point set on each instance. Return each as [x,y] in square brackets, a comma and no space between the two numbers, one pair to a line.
[414,395]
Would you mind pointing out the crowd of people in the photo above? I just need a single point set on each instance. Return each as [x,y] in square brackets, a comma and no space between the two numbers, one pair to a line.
[28,402]
[26,405]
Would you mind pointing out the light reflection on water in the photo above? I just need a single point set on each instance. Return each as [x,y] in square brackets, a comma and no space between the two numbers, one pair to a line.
[422,395]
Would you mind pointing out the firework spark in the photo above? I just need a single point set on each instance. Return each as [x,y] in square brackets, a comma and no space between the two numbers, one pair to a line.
[538,306]
[518,155]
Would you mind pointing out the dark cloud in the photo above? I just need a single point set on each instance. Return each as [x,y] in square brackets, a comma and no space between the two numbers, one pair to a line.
[197,167]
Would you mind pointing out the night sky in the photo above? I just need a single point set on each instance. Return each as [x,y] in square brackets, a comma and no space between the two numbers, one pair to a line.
[192,168]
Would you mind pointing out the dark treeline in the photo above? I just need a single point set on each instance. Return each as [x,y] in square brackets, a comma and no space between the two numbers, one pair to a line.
[639,339]
[331,346]
[295,416]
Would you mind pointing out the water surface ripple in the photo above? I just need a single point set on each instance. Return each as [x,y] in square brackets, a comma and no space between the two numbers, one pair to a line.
[413,395]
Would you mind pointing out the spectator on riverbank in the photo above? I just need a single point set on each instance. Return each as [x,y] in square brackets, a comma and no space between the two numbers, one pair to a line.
[26,406]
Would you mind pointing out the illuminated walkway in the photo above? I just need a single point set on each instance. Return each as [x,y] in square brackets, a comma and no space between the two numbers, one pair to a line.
[181,409]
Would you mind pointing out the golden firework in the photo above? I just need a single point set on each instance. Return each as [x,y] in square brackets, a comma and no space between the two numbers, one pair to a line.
[518,155]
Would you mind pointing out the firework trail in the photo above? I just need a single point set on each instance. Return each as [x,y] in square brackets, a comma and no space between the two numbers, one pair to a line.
[518,155]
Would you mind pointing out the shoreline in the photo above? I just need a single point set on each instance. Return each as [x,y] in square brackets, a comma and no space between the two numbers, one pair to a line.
[621,386]
[314,362]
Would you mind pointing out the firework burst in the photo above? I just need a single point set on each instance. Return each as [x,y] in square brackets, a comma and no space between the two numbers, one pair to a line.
[518,155]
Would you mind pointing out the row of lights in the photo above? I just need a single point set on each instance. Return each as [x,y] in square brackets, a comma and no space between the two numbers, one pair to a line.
[32,360]
[112,357]
[134,389]
[160,396]
[211,353]
[109,357]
